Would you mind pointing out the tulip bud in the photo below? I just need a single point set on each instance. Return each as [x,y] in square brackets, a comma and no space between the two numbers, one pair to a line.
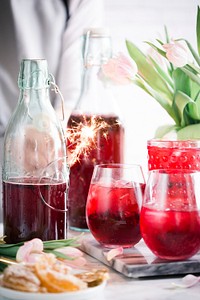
[177,53]
[120,69]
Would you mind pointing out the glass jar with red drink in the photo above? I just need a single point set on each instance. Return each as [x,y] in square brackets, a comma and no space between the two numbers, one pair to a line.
[173,154]
[95,131]
[169,219]
[34,166]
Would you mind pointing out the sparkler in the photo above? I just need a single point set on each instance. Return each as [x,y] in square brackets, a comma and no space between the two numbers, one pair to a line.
[82,137]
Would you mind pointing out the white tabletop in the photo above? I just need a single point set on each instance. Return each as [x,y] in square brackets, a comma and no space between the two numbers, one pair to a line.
[120,287]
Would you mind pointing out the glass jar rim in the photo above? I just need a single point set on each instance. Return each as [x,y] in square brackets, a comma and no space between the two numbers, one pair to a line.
[173,171]
[118,165]
[181,144]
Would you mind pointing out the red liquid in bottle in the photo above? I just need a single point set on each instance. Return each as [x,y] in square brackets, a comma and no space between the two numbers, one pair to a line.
[113,214]
[173,235]
[26,216]
[107,147]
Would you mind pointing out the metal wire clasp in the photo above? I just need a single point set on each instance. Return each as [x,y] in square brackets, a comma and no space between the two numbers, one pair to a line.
[57,91]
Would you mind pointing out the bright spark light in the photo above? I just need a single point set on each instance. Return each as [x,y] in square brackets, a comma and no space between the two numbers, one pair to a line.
[82,137]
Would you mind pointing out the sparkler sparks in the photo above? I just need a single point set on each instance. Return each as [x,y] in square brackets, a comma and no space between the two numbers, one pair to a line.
[82,136]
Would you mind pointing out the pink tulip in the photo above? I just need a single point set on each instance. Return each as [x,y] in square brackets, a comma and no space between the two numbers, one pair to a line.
[177,53]
[120,69]
[30,251]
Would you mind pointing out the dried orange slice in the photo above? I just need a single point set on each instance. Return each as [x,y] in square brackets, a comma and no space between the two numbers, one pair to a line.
[93,278]
[21,277]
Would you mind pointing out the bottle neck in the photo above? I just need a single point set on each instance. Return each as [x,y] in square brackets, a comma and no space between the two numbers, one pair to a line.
[97,50]
[34,82]
[35,100]
[91,80]
[96,96]
[34,74]
[32,95]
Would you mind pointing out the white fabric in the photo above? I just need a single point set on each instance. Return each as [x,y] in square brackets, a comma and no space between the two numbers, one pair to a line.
[38,29]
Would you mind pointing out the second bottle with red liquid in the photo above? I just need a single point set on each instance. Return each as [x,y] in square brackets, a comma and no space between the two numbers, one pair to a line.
[95,132]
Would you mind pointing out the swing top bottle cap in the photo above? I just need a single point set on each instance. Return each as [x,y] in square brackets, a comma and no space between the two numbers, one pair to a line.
[33,74]
[97,31]
[97,47]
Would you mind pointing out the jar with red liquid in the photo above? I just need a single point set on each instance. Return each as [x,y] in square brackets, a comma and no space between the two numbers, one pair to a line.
[34,166]
[175,154]
[169,219]
[95,131]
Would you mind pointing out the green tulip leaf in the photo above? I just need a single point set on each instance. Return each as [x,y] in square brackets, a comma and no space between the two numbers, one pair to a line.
[195,91]
[189,132]
[194,53]
[162,73]
[193,110]
[160,51]
[193,68]
[165,103]
[198,29]
[166,130]
[191,75]
[181,81]
[180,103]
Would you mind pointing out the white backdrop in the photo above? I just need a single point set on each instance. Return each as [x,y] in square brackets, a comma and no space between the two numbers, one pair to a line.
[139,21]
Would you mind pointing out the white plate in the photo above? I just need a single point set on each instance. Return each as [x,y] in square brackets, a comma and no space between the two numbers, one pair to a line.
[89,293]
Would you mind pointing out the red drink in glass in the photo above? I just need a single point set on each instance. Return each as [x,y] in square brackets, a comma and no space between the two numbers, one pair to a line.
[170,216]
[36,218]
[107,146]
[171,234]
[113,213]
[164,154]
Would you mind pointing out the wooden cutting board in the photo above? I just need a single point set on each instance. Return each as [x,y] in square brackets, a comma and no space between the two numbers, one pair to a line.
[139,261]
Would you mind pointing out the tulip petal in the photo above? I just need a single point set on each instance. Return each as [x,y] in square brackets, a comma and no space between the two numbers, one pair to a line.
[37,245]
[32,246]
[70,251]
[187,281]
[77,255]
[120,69]
[177,53]
[33,257]
[76,263]
[113,253]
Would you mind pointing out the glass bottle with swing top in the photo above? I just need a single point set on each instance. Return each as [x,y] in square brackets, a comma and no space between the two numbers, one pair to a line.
[95,132]
[35,173]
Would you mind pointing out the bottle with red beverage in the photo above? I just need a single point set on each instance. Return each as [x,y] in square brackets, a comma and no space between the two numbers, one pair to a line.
[95,132]
[34,166]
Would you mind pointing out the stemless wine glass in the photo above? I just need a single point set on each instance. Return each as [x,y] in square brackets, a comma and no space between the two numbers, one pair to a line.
[113,204]
[170,219]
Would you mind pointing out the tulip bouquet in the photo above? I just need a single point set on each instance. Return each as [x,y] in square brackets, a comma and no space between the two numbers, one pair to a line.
[29,251]
[170,73]
[64,249]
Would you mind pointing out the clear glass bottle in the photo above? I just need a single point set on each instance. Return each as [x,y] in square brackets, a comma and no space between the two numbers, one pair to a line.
[94,130]
[34,165]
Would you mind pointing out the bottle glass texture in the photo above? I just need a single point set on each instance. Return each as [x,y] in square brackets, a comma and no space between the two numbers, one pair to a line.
[95,131]
[34,165]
